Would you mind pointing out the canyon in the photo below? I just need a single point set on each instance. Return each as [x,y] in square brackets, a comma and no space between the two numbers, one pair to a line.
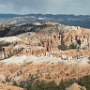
[47,51]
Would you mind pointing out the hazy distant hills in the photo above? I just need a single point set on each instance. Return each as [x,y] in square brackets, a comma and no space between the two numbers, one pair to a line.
[80,20]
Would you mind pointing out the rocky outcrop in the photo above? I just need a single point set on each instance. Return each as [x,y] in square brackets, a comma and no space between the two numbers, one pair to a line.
[9,87]
[75,86]
[46,39]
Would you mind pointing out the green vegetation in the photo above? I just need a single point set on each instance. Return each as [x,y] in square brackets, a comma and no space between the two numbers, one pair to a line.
[73,46]
[33,84]
[4,32]
[85,81]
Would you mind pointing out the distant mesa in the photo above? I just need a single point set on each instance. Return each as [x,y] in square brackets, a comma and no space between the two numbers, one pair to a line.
[72,20]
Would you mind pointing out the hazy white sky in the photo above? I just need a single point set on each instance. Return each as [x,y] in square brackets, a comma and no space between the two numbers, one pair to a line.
[77,7]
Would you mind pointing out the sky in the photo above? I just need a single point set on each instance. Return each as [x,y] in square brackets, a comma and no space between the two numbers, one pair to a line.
[76,7]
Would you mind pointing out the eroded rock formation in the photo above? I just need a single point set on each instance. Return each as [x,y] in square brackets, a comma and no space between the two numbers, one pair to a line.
[47,39]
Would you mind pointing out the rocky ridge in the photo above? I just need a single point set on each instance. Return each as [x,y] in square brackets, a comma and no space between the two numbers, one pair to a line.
[47,51]
[46,39]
